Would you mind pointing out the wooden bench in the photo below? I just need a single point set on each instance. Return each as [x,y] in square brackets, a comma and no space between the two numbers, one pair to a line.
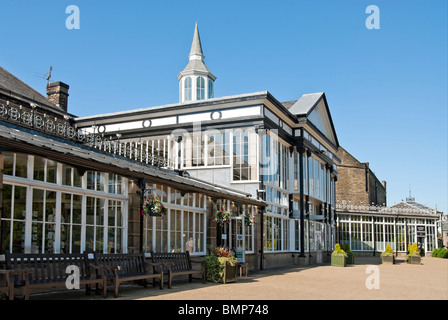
[48,270]
[127,267]
[8,288]
[176,264]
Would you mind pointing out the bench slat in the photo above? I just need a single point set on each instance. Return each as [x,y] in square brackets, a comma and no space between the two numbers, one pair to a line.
[48,269]
[177,263]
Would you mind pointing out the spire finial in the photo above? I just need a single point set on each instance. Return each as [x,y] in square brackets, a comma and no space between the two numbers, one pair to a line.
[196,47]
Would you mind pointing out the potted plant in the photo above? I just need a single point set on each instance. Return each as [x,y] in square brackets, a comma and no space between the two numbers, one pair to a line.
[413,257]
[153,207]
[221,266]
[388,257]
[350,255]
[338,257]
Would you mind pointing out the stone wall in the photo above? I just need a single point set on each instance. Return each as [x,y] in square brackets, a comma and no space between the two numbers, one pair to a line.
[356,183]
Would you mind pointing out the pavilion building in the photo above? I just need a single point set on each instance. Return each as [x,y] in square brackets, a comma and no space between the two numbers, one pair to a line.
[283,154]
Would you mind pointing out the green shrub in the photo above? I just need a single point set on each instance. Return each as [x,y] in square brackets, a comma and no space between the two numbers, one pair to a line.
[346,248]
[214,268]
[413,249]
[388,251]
[215,263]
[338,251]
[440,253]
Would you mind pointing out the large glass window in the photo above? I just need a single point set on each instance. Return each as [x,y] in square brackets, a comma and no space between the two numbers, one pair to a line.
[218,148]
[71,177]
[244,155]
[44,170]
[71,218]
[12,232]
[43,213]
[95,224]
[182,228]
[194,146]
[115,226]
[210,148]
[96,181]
[43,217]
[275,233]
[15,164]
[311,176]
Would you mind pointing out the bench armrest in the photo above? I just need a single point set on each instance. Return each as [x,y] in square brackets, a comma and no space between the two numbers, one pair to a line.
[7,272]
[156,267]
[21,276]
[100,270]
[202,262]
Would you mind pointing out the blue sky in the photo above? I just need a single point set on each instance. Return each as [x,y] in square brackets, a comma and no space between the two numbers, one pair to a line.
[386,88]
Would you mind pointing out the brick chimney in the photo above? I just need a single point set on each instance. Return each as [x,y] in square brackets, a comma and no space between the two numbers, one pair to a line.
[57,93]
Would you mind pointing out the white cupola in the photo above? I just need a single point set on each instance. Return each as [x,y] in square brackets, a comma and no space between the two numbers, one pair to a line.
[196,82]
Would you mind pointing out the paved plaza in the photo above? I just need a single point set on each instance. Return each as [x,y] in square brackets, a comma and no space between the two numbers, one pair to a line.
[428,281]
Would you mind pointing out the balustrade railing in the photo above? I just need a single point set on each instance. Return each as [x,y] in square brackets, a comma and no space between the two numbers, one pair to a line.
[156,153]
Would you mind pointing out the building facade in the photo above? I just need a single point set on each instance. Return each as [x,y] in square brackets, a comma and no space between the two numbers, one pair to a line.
[367,224]
[284,153]
[60,193]
[369,229]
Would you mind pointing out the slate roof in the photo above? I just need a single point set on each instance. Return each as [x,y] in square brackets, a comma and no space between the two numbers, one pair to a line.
[12,136]
[196,65]
[196,46]
[11,83]
[305,104]
[196,50]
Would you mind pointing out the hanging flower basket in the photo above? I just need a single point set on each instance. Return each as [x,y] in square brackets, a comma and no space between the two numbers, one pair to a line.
[153,207]
[222,216]
[249,219]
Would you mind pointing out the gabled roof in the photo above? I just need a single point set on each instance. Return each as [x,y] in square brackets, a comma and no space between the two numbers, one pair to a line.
[314,107]
[11,83]
[306,103]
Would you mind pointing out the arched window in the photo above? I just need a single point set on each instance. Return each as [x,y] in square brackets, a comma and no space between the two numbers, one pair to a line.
[187,89]
[200,88]
[210,89]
